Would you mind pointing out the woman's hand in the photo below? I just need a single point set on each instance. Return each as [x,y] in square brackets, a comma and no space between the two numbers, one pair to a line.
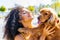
[47,31]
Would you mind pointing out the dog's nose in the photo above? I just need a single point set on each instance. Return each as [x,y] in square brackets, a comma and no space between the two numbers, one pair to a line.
[38,17]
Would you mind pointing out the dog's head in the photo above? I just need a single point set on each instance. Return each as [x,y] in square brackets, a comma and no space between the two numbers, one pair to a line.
[47,14]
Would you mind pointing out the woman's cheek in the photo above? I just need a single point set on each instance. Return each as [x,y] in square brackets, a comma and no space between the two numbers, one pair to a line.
[25,18]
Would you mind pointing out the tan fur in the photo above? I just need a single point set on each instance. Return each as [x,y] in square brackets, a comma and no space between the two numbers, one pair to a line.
[53,21]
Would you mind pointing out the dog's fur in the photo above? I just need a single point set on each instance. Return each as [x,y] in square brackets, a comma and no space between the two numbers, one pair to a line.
[47,18]
[52,20]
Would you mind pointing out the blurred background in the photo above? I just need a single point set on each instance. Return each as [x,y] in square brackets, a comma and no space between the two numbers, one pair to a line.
[33,5]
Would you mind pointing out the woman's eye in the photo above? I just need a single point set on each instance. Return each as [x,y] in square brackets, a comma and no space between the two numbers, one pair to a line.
[24,13]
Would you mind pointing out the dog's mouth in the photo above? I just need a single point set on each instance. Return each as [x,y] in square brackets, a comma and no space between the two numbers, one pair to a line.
[39,22]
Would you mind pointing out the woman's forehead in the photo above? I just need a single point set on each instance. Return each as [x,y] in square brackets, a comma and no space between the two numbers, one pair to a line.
[24,9]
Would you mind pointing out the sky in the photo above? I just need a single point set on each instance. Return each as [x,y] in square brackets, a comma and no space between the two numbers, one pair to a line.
[25,3]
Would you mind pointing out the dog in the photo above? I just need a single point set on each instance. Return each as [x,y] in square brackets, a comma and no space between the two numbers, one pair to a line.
[47,17]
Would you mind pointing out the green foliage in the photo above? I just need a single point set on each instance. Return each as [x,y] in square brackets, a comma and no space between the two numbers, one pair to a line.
[31,8]
[59,14]
[56,6]
[2,8]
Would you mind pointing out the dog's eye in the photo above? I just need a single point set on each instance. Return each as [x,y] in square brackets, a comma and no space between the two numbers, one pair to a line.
[46,14]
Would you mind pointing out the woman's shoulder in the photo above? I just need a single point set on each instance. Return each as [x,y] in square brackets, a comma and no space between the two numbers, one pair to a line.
[18,37]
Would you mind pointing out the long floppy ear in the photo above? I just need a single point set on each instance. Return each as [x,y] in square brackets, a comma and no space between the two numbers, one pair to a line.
[53,16]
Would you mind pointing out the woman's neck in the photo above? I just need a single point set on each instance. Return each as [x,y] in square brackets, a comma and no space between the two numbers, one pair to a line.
[27,24]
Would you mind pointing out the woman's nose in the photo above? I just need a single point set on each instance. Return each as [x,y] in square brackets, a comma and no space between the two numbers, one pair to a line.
[29,14]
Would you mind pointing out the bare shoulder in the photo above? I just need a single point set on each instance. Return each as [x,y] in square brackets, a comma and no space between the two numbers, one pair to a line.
[18,37]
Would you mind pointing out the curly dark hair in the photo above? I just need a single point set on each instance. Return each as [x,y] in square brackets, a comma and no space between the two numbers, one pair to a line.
[12,24]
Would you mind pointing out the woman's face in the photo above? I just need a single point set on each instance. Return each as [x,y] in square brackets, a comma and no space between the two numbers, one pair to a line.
[26,15]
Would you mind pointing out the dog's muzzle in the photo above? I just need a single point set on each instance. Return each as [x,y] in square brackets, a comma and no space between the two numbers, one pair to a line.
[39,22]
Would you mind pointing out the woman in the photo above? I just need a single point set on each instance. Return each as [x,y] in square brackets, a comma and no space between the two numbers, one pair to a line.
[20,17]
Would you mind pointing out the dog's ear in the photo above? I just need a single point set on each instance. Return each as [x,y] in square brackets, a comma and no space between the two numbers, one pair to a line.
[53,16]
